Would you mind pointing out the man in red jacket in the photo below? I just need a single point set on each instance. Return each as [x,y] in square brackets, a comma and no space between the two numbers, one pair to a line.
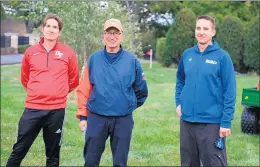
[49,72]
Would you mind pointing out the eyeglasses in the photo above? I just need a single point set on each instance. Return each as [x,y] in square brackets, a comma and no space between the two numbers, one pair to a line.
[115,34]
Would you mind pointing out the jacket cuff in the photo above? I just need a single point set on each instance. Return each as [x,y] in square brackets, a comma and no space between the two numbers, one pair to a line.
[225,125]
[81,118]
[177,103]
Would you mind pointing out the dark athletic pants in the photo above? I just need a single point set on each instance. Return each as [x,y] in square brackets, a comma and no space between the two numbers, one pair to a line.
[99,128]
[197,142]
[30,124]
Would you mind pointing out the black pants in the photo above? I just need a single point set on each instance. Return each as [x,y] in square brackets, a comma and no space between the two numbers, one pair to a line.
[30,124]
[197,144]
[99,128]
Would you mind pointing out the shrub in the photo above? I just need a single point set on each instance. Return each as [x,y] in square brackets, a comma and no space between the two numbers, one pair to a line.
[160,48]
[22,48]
[252,43]
[230,38]
[168,52]
[183,32]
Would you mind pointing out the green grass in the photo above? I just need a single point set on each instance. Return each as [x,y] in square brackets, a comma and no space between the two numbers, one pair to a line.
[155,140]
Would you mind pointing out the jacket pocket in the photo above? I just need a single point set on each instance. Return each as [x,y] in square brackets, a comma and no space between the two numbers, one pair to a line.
[93,94]
[208,108]
[186,101]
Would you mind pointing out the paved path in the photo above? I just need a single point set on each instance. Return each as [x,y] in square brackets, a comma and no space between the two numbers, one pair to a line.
[11,59]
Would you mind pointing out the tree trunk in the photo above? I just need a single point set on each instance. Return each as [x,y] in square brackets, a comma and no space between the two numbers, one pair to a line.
[28,26]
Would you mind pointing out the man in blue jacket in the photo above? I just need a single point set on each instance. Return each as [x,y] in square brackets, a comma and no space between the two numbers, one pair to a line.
[205,97]
[117,86]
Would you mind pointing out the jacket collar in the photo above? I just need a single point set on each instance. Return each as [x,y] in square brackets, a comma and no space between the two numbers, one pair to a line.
[55,46]
[120,52]
[209,48]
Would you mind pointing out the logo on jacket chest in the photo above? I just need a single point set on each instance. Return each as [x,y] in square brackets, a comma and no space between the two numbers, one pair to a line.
[58,54]
[210,61]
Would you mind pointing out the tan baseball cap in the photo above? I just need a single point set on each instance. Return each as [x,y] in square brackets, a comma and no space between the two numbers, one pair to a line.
[113,23]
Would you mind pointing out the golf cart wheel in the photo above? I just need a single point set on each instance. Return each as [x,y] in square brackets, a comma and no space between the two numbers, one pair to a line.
[249,121]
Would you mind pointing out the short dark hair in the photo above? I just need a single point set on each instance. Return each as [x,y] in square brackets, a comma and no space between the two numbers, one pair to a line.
[209,18]
[55,17]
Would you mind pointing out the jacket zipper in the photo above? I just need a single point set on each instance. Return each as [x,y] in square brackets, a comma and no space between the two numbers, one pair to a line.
[48,58]
[195,87]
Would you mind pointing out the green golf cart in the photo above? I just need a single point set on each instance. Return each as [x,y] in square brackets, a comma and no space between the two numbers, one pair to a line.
[250,119]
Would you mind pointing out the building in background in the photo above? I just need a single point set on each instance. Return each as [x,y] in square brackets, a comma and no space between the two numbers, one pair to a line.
[14,38]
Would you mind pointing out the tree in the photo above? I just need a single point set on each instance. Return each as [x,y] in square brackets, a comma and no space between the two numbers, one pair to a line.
[252,43]
[255,8]
[148,40]
[150,13]
[183,32]
[230,37]
[167,56]
[83,25]
[3,15]
[31,12]
[160,48]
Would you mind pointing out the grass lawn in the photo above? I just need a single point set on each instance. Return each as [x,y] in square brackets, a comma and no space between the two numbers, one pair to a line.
[155,139]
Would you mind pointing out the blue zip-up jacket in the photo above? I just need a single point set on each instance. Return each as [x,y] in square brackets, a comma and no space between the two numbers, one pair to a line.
[206,86]
[118,87]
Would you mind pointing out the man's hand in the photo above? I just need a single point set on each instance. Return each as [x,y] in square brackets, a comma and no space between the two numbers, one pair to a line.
[83,125]
[178,110]
[223,132]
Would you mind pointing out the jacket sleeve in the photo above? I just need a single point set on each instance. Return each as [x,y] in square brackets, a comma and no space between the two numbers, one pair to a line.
[140,86]
[83,92]
[228,79]
[180,81]
[25,69]
[73,73]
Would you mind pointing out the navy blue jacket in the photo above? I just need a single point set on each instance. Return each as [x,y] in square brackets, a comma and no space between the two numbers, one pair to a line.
[206,86]
[119,87]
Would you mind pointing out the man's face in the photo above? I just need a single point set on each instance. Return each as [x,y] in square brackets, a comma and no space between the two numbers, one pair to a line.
[51,30]
[112,38]
[204,31]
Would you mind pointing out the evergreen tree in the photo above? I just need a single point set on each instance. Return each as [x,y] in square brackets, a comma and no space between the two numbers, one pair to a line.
[252,46]
[230,37]
[183,32]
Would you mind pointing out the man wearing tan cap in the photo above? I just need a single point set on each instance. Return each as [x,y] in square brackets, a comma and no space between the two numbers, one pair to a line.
[112,86]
